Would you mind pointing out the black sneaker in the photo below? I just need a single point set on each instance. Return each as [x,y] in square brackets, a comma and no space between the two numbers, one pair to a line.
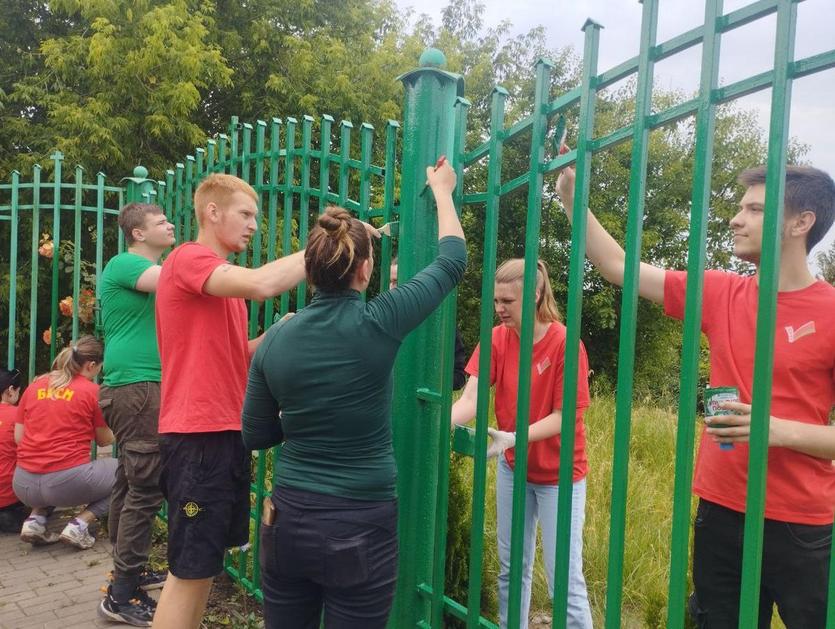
[136,611]
[152,579]
[145,598]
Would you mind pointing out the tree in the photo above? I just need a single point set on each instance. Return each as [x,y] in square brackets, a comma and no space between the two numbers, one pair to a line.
[826,262]
[119,83]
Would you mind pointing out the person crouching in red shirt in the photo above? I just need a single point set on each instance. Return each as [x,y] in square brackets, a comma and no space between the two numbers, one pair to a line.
[58,416]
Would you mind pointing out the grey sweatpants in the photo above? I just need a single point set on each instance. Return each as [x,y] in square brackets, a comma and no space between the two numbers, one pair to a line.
[89,484]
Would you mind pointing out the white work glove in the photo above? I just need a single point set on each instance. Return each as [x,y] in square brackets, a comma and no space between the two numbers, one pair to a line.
[501,441]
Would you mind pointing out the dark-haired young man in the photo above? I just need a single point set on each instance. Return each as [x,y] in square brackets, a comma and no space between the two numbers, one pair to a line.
[130,401]
[800,490]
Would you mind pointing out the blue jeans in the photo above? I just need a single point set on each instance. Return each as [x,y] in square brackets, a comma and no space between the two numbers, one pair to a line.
[541,505]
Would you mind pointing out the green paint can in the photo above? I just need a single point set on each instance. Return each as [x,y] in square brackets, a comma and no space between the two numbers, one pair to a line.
[713,398]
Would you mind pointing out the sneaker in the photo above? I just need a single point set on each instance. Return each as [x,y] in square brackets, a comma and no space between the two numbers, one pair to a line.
[152,579]
[148,579]
[35,533]
[145,598]
[74,535]
[135,612]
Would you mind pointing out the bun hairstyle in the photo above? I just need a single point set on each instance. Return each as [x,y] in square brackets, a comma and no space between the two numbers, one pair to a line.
[71,360]
[336,247]
[513,270]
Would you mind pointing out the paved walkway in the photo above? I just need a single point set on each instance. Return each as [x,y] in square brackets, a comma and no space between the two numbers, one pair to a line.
[52,587]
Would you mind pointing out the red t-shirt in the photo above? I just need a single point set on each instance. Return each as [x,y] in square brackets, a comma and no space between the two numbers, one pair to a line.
[8,454]
[203,346]
[799,488]
[58,426]
[546,395]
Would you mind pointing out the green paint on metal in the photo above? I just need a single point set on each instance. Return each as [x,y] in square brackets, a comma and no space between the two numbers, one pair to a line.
[628,322]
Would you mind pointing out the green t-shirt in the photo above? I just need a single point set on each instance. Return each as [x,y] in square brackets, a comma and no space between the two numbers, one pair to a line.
[127,314]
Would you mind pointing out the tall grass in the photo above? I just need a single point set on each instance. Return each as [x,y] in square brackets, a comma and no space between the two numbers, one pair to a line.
[648,521]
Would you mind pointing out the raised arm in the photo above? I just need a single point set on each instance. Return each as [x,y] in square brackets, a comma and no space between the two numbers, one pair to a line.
[604,251]
[265,282]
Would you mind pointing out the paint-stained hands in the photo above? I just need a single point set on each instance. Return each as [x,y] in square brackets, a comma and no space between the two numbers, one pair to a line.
[501,441]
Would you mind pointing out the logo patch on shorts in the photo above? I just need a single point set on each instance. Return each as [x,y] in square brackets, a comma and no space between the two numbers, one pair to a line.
[191,509]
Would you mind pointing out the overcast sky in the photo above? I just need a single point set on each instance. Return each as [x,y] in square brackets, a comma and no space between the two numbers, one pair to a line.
[744,52]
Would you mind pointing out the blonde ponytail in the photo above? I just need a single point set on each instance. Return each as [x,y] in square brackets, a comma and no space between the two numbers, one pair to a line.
[513,270]
[71,360]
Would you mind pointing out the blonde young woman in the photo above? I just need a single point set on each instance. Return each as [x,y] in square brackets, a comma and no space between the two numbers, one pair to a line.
[57,417]
[545,425]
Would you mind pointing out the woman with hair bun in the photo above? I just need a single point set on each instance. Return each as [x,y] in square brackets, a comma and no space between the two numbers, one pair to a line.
[57,417]
[333,541]
[545,426]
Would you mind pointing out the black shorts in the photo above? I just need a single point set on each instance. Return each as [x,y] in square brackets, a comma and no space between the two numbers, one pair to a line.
[206,480]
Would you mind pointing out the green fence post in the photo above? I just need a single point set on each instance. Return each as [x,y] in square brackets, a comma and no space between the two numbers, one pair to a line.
[428,132]
[138,188]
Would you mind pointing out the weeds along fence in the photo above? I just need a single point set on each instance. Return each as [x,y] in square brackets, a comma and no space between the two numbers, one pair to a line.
[298,168]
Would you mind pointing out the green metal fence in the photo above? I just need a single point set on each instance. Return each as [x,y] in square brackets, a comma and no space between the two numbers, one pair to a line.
[297,169]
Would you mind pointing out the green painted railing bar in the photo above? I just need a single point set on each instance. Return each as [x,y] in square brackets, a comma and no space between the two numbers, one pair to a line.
[234,129]
[628,317]
[345,128]
[456,610]
[304,200]
[573,321]
[488,274]
[33,280]
[272,209]
[691,347]
[100,182]
[13,267]
[57,159]
[539,128]
[190,228]
[76,268]
[366,144]
[289,173]
[388,211]
[767,313]
[325,126]
[258,184]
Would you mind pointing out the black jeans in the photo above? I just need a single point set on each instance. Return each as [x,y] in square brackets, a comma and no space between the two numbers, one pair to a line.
[795,570]
[331,552]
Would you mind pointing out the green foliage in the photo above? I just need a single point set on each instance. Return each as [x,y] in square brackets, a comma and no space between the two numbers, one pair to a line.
[826,262]
[113,83]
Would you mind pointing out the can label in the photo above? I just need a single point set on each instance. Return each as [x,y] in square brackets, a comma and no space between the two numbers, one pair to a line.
[715,396]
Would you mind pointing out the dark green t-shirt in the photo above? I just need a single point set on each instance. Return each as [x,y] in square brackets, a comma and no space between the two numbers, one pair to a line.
[130,336]
[329,371]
